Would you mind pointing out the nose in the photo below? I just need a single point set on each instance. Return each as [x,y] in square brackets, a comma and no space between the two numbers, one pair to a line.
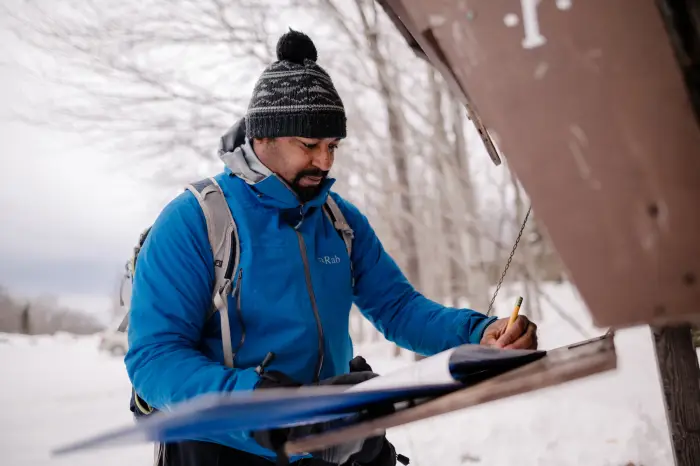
[323,160]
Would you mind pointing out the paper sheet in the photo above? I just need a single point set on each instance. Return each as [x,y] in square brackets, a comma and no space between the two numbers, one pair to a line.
[434,370]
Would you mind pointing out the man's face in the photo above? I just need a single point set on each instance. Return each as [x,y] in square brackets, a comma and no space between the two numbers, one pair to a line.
[302,162]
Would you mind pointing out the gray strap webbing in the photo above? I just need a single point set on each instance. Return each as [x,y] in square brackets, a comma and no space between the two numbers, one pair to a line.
[124,324]
[128,277]
[341,224]
[222,233]
[220,300]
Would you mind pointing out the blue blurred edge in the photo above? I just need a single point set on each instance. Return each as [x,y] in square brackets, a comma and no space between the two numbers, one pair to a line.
[272,408]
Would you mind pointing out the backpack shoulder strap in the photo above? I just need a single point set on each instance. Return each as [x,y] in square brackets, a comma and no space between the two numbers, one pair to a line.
[225,247]
[128,277]
[339,223]
[335,215]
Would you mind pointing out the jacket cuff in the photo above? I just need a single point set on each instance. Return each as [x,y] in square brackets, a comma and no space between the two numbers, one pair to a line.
[478,332]
[247,379]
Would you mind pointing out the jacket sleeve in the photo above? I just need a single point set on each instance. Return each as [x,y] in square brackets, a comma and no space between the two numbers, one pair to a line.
[402,314]
[170,298]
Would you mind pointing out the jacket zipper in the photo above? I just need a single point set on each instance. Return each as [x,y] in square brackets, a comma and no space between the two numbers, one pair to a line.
[310,289]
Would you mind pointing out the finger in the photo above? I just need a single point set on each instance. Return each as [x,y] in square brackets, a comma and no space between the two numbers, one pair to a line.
[534,343]
[518,328]
[490,340]
[490,337]
[528,340]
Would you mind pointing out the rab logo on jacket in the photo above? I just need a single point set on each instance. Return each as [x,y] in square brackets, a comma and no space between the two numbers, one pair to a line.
[329,260]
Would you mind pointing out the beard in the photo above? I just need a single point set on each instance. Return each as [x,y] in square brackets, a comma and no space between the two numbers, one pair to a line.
[306,193]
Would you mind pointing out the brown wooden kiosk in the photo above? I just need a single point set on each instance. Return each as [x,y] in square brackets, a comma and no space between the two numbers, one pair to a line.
[595,105]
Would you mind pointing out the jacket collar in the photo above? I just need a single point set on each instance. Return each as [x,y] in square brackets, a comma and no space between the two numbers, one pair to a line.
[240,160]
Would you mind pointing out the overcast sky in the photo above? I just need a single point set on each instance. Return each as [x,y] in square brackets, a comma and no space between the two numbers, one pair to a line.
[68,220]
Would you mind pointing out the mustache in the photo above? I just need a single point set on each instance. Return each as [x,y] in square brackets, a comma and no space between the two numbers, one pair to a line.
[315,172]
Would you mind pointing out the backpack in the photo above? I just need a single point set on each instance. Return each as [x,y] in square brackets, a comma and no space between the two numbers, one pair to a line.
[223,240]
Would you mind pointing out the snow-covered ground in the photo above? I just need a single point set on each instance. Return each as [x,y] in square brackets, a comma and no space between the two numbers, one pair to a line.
[56,390]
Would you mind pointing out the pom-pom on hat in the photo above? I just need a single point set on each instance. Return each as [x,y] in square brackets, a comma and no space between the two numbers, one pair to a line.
[296,47]
[294,96]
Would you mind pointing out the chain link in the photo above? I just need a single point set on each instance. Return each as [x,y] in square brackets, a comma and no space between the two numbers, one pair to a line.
[510,258]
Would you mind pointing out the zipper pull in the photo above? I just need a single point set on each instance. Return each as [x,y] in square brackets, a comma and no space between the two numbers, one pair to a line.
[301,218]
[266,362]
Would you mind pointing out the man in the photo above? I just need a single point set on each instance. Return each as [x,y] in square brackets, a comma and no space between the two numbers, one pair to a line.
[295,282]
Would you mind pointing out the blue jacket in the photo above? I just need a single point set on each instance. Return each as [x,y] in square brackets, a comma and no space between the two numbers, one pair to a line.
[174,355]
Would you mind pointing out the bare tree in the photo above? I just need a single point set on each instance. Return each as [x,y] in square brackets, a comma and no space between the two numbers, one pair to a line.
[10,313]
[438,152]
[155,82]
[389,88]
[25,320]
[43,315]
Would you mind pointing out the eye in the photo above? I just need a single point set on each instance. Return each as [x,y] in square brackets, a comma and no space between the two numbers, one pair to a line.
[310,146]
[333,147]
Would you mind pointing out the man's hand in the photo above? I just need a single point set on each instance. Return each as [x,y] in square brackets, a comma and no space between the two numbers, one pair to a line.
[521,335]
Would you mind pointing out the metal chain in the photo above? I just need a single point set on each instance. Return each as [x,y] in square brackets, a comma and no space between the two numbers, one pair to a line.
[510,258]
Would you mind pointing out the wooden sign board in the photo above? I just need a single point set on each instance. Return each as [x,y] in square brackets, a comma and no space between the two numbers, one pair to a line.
[588,104]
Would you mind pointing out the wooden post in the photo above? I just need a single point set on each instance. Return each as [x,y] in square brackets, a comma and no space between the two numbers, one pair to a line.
[680,382]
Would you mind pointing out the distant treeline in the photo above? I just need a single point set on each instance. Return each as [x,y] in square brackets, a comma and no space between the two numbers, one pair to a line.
[43,316]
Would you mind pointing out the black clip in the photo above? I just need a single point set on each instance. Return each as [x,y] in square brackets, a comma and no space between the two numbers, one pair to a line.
[266,362]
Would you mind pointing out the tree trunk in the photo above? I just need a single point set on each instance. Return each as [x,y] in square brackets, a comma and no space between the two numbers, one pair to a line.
[26,327]
[528,273]
[679,374]
[473,276]
[439,157]
[389,93]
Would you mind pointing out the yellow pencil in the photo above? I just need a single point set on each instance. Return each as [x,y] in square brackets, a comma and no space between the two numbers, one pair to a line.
[514,314]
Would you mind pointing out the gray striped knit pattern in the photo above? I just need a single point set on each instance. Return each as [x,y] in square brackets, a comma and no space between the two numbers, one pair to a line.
[293,99]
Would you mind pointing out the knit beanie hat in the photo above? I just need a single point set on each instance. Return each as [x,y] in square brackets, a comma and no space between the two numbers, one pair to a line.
[294,96]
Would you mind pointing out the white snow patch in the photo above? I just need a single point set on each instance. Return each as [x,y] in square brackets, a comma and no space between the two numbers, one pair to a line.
[57,390]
